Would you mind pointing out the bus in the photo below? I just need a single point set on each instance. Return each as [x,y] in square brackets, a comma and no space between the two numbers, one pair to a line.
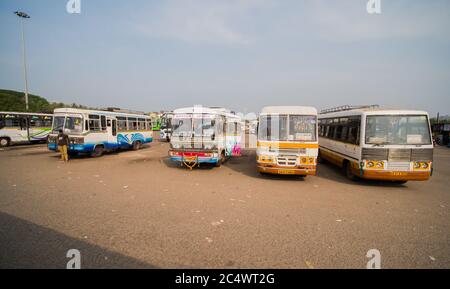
[287,140]
[166,126]
[24,127]
[370,142]
[95,132]
[156,121]
[203,135]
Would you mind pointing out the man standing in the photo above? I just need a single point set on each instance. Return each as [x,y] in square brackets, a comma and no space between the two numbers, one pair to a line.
[63,144]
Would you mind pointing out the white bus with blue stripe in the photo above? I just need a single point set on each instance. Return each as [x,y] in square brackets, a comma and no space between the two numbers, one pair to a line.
[95,131]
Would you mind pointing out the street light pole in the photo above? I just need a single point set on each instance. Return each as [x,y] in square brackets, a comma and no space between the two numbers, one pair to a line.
[23,15]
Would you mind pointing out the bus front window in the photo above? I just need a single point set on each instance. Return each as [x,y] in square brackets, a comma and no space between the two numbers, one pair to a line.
[71,125]
[397,130]
[302,128]
[182,127]
[287,128]
[58,123]
[273,128]
[74,125]
[204,126]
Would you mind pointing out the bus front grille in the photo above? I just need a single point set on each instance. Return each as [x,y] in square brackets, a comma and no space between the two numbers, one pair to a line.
[398,166]
[290,161]
[422,155]
[300,151]
[397,155]
[374,154]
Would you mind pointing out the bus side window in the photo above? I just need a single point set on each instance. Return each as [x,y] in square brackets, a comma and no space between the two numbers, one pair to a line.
[103,122]
[121,123]
[114,127]
[23,122]
[132,123]
[94,122]
[141,124]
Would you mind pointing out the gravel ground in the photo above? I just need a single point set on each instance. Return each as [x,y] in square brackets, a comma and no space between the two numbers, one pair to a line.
[135,209]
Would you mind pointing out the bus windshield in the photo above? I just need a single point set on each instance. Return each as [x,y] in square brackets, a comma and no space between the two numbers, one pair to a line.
[397,130]
[287,128]
[70,124]
[197,125]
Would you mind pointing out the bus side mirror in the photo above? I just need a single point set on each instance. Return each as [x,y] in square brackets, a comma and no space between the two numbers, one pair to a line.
[213,136]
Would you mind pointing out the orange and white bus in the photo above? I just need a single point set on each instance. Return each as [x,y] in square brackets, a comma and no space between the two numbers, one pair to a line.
[287,140]
[374,143]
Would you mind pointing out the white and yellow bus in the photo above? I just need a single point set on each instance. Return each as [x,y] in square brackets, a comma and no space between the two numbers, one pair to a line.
[24,127]
[374,143]
[287,140]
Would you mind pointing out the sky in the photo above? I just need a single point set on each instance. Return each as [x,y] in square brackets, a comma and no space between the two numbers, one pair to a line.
[241,54]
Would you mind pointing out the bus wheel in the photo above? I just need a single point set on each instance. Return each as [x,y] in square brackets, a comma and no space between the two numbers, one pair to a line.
[400,182]
[348,171]
[98,152]
[4,142]
[320,159]
[136,145]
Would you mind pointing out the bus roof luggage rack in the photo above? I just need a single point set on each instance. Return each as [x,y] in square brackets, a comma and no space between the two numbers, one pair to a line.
[116,109]
[348,107]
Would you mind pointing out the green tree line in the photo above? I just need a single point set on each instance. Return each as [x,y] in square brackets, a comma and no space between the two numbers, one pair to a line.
[11,100]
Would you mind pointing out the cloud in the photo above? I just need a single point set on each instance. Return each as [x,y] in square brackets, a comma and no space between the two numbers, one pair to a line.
[201,21]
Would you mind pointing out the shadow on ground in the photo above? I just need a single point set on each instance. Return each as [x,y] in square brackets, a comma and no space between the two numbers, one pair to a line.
[27,245]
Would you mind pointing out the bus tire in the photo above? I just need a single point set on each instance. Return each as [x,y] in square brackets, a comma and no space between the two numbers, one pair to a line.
[137,145]
[4,142]
[400,182]
[348,171]
[98,151]
[320,159]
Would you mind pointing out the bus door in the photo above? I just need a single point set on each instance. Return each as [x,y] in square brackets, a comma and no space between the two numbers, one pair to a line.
[24,123]
[111,129]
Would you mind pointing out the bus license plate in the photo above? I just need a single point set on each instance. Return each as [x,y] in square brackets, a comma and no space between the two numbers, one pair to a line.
[190,159]
[398,174]
[286,172]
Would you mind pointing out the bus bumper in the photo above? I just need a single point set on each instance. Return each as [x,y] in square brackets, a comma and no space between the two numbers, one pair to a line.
[396,175]
[77,148]
[194,157]
[279,170]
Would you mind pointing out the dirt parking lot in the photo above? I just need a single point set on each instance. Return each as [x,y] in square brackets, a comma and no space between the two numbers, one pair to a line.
[135,209]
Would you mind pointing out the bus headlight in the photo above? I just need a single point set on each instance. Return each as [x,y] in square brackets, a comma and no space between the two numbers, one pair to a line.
[424,165]
[417,165]
[265,159]
[77,140]
[380,165]
[370,164]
